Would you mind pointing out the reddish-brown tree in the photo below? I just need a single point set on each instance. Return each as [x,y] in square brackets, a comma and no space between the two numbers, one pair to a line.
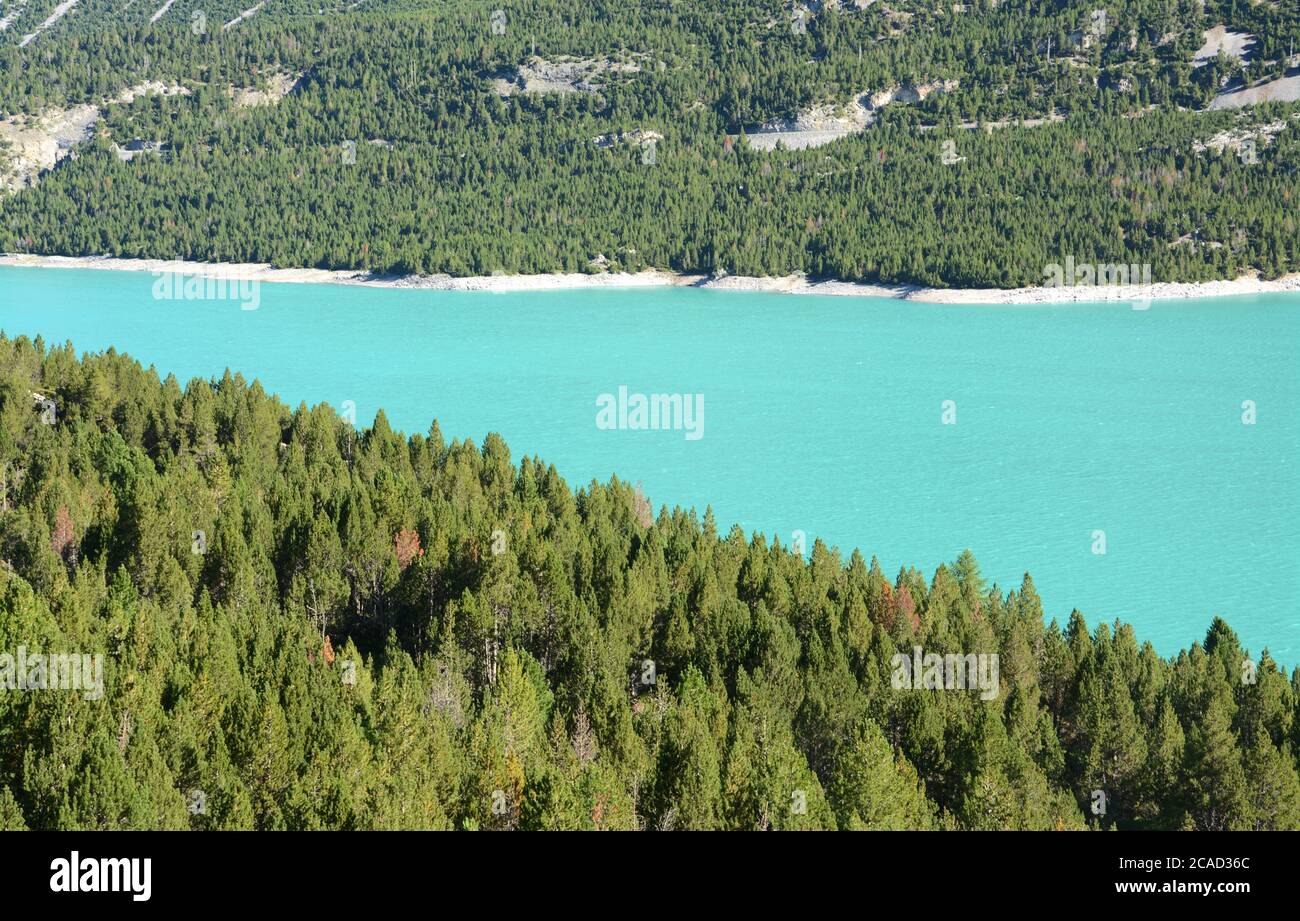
[904,606]
[407,545]
[63,535]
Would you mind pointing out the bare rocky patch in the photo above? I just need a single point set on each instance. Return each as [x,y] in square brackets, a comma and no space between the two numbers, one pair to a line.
[635,138]
[1240,140]
[1282,89]
[274,88]
[825,123]
[992,125]
[246,14]
[37,143]
[1233,44]
[572,75]
[813,128]
[59,12]
[161,11]
[10,17]
[135,148]
[150,88]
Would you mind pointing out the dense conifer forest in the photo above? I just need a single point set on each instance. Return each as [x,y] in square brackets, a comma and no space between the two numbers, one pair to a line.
[410,139]
[309,626]
[306,625]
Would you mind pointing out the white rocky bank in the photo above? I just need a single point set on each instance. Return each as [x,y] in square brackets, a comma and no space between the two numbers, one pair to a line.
[791,284]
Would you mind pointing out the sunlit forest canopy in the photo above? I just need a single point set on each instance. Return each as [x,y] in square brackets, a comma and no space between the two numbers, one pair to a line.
[306,625]
[974,144]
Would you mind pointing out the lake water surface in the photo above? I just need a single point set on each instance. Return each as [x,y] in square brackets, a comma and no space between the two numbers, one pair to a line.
[824,415]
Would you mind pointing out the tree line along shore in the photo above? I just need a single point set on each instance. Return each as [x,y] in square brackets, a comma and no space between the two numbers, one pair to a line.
[401,140]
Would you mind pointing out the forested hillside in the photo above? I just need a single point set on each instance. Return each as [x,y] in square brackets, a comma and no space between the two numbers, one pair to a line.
[975,143]
[308,626]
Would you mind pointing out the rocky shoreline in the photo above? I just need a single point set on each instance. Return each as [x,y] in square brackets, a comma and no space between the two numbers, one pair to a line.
[793,284]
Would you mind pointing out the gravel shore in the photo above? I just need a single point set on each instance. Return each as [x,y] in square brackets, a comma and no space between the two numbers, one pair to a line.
[794,284]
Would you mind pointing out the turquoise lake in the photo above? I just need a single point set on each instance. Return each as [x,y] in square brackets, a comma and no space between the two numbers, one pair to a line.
[823,414]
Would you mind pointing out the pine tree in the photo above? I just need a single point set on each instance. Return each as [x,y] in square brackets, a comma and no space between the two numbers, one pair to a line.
[873,788]
[1215,783]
